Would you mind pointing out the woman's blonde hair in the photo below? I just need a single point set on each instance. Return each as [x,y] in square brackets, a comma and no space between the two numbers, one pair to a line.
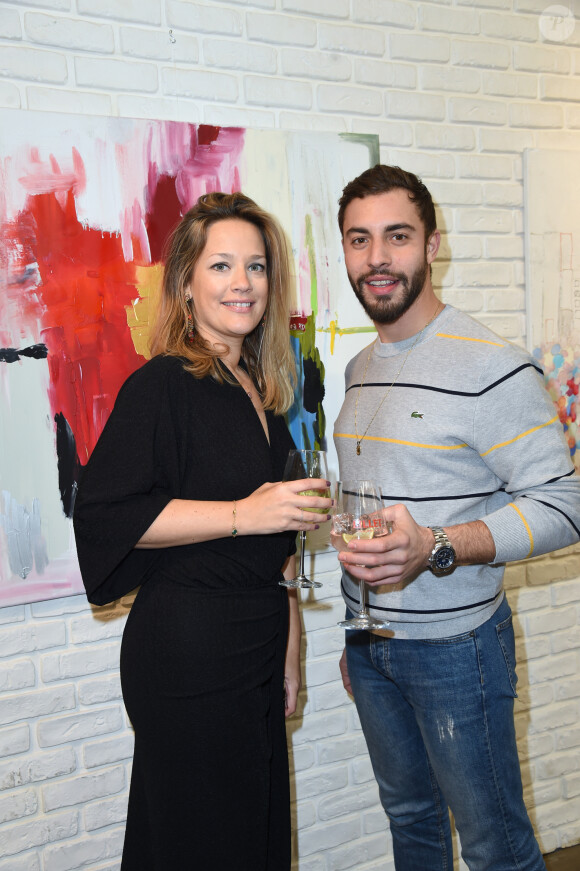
[266,351]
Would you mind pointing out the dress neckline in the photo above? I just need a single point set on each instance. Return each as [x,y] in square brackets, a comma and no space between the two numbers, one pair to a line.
[252,396]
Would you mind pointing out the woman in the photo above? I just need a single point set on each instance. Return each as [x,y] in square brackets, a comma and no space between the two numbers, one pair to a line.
[179,497]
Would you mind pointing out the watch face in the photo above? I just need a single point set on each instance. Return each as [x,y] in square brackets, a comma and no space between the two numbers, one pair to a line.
[444,558]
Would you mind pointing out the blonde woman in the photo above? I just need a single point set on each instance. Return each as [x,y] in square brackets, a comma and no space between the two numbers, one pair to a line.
[182,496]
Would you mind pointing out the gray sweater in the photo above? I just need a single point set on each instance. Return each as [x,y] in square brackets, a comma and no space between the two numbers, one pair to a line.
[468,432]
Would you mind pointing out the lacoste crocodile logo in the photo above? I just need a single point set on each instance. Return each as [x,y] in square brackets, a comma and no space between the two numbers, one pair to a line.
[416,414]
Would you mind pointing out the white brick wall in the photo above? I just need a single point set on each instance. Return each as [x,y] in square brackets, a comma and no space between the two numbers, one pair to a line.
[455,90]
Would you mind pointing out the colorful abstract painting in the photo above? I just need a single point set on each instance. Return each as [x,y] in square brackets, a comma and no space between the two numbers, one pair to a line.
[553,280]
[86,206]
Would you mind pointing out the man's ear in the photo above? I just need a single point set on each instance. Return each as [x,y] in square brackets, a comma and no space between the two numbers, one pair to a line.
[432,247]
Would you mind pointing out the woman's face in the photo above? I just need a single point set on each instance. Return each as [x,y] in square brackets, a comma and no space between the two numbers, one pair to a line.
[229,286]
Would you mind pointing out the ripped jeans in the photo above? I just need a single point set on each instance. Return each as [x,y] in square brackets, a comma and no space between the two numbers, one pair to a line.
[438,721]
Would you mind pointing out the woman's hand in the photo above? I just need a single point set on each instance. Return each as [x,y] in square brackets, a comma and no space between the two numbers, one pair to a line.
[279,507]
[292,684]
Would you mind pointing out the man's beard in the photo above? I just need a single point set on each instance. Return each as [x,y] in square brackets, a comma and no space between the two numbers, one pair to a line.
[385,309]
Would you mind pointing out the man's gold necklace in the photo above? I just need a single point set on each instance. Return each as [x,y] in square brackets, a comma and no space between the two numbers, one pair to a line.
[358,438]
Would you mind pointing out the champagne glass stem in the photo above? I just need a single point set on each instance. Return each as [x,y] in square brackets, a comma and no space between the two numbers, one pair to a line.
[304,464]
[363,611]
[302,549]
[301,581]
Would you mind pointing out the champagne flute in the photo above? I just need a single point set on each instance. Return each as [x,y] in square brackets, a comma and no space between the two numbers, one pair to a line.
[305,464]
[358,514]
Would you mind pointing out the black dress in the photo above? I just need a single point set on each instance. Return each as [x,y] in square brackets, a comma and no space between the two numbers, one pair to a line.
[202,657]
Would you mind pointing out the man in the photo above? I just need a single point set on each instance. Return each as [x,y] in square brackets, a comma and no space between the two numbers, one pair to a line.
[455,424]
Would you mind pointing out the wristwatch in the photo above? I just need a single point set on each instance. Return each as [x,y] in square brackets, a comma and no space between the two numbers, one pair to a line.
[442,557]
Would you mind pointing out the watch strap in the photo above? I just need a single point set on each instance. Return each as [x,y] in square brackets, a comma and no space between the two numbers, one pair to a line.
[441,541]
[440,535]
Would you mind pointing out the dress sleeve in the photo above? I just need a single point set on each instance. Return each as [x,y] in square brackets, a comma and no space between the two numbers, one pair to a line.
[133,473]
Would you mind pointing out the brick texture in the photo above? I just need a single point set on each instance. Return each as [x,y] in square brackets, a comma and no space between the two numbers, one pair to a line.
[455,91]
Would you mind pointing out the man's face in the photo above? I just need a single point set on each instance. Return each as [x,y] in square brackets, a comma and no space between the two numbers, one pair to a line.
[387,257]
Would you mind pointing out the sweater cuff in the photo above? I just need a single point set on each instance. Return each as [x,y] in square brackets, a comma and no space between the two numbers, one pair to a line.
[511,534]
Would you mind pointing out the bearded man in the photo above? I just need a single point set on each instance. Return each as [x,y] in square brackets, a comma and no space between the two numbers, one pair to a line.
[457,427]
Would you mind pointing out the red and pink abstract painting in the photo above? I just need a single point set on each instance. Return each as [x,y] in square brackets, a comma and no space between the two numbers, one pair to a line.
[86,206]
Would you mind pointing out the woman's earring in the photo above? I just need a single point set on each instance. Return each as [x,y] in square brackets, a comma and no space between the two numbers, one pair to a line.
[190,327]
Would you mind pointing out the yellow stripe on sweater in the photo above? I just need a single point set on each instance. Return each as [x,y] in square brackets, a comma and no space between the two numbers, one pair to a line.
[469,339]
[520,436]
[528,530]
[347,435]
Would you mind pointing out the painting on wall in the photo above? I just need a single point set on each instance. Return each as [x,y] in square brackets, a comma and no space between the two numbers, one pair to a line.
[552,218]
[86,206]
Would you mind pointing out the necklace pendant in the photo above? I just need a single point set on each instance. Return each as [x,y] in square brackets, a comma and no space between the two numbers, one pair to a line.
[358,448]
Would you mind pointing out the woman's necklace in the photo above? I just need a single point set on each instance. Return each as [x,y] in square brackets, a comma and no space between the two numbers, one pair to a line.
[358,438]
[244,380]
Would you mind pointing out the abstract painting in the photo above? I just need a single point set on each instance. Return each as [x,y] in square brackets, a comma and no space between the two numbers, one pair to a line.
[86,206]
[553,280]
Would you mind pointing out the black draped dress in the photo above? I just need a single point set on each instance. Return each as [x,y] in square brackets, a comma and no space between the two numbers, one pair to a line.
[202,657]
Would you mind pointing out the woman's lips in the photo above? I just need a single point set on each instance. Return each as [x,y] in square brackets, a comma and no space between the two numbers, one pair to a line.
[239,306]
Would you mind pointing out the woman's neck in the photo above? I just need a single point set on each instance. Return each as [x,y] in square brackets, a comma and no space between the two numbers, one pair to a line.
[231,358]
[232,361]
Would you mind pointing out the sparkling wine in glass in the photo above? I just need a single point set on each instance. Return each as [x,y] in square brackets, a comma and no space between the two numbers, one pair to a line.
[358,514]
[305,464]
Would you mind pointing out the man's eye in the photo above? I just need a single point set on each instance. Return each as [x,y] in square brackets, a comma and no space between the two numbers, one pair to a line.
[399,237]
[359,240]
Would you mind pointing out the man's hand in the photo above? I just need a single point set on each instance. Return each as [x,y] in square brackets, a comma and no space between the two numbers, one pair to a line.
[404,553]
[392,558]
[344,672]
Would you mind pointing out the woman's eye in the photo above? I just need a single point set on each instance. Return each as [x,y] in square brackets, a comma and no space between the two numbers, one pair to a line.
[257,267]
[220,267]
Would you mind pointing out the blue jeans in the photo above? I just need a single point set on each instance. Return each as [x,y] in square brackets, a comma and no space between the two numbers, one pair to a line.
[438,721]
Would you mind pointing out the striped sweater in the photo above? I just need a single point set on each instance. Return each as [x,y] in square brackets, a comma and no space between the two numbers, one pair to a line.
[468,432]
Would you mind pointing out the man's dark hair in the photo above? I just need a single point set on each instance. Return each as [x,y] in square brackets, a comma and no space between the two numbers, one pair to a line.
[380,180]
